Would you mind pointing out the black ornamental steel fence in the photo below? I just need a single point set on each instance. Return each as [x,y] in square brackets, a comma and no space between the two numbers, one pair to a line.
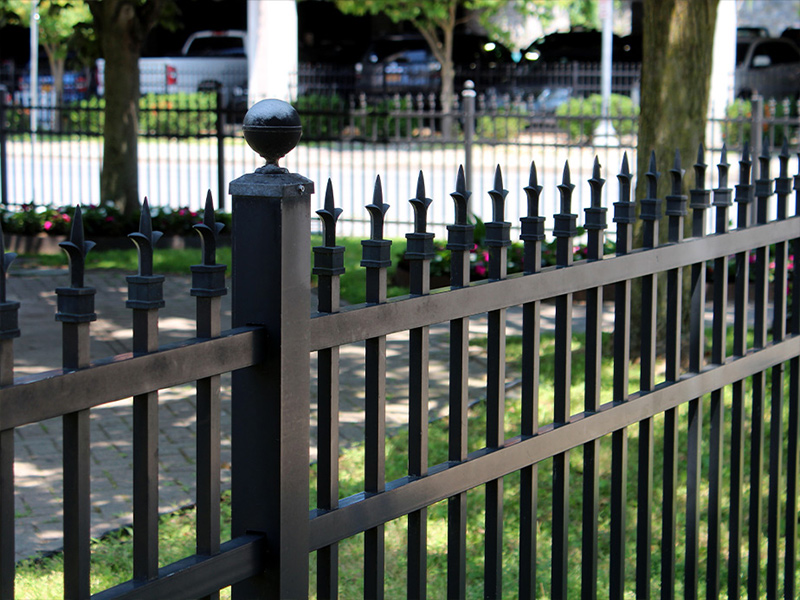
[696,397]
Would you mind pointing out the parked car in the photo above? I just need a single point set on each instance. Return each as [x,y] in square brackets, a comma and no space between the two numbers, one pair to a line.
[583,46]
[76,87]
[767,66]
[209,60]
[404,63]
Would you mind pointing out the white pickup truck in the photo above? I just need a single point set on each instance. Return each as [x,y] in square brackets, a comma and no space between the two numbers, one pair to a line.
[209,60]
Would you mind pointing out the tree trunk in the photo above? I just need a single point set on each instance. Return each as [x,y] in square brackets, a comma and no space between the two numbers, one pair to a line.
[122,27]
[678,40]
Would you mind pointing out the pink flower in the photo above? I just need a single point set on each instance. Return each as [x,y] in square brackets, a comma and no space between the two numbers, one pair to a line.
[48,225]
[480,270]
[67,218]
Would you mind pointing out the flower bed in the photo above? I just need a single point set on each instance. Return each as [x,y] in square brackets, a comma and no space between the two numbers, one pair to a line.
[39,229]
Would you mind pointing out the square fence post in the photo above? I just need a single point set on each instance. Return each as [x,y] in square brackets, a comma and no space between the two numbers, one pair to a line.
[270,402]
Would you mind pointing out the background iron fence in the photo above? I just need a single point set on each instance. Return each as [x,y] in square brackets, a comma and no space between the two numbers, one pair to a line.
[190,143]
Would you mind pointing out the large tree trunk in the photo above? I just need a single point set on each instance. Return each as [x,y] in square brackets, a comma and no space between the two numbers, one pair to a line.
[678,40]
[122,26]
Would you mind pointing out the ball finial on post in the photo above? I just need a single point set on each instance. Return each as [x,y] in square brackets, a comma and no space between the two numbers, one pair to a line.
[272,128]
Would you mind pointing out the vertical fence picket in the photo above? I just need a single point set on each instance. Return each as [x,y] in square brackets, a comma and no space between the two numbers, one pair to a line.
[699,203]
[744,199]
[595,224]
[208,286]
[625,218]
[419,254]
[460,243]
[376,259]
[532,236]
[8,331]
[651,215]
[328,266]
[76,311]
[763,190]
[793,434]
[498,240]
[783,187]
[676,213]
[564,232]
[145,297]
[722,202]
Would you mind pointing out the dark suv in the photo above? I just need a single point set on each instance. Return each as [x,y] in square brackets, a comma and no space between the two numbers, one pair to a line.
[404,63]
[767,66]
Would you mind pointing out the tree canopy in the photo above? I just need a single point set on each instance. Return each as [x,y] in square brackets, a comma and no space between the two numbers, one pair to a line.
[60,30]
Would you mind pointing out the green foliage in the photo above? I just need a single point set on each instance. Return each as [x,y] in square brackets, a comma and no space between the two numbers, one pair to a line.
[738,127]
[323,116]
[579,116]
[182,115]
[501,127]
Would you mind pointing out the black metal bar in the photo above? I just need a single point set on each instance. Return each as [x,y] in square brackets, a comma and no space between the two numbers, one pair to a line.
[8,331]
[744,198]
[699,204]
[208,286]
[359,322]
[270,401]
[624,217]
[419,253]
[763,190]
[460,242]
[595,223]
[376,259]
[498,240]
[51,394]
[564,231]
[363,511]
[532,236]
[722,201]
[220,120]
[676,212]
[651,215]
[198,576]
[793,433]
[783,187]
[145,297]
[3,152]
[76,311]
[328,266]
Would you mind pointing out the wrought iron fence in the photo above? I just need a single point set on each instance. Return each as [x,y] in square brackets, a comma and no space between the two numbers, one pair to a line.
[707,392]
[190,143]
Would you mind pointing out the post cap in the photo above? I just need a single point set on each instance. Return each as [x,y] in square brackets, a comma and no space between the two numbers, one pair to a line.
[272,128]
